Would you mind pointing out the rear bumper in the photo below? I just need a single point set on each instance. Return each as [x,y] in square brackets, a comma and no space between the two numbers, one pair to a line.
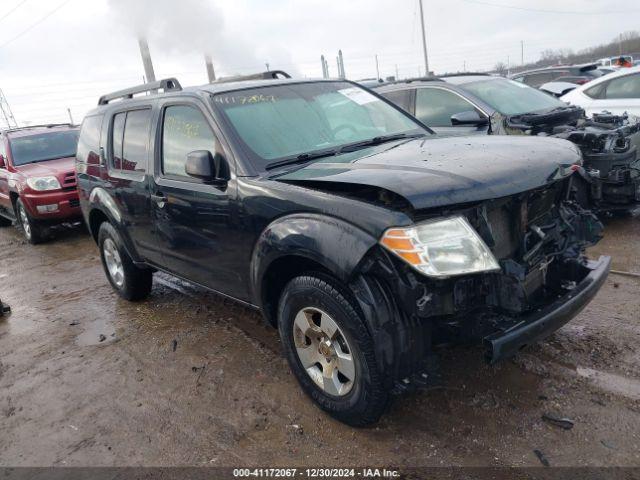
[543,323]
[67,206]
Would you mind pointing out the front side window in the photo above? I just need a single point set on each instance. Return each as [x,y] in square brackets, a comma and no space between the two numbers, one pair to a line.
[624,87]
[184,130]
[130,140]
[284,121]
[435,106]
[512,98]
[44,146]
[401,98]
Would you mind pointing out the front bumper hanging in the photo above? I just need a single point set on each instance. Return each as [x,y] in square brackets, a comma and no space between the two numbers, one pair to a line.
[541,324]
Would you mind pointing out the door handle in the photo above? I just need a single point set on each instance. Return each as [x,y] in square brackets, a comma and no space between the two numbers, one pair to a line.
[160,199]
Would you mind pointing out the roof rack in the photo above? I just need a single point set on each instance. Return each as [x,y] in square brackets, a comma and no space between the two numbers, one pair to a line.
[465,74]
[27,127]
[270,75]
[166,84]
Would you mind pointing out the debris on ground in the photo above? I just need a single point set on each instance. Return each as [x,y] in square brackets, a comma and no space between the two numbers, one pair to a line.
[4,308]
[564,423]
[543,459]
[174,344]
[295,428]
[102,337]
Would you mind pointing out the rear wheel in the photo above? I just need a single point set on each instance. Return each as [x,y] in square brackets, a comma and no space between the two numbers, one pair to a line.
[131,282]
[330,350]
[33,231]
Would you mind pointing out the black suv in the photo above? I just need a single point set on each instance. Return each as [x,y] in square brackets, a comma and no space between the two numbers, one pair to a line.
[481,104]
[356,232]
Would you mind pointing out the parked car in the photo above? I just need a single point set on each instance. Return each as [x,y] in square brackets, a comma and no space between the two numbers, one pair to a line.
[617,62]
[578,74]
[485,105]
[38,179]
[557,89]
[617,93]
[359,234]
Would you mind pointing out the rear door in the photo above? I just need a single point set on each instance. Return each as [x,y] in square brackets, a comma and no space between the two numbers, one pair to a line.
[194,218]
[434,107]
[619,95]
[128,147]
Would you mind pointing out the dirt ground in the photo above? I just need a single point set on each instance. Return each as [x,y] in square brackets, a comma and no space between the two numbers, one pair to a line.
[186,378]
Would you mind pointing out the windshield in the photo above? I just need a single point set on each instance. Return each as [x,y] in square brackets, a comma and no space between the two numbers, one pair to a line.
[44,146]
[285,121]
[512,98]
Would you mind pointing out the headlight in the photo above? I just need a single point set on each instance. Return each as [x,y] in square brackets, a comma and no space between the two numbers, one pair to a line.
[441,248]
[43,183]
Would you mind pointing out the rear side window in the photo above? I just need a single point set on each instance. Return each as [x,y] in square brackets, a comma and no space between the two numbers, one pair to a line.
[624,87]
[89,141]
[435,106]
[401,98]
[184,130]
[130,140]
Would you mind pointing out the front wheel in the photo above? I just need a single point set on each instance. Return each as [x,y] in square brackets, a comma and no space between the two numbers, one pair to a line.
[33,232]
[131,282]
[330,350]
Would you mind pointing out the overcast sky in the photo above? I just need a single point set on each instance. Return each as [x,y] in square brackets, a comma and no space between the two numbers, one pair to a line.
[56,54]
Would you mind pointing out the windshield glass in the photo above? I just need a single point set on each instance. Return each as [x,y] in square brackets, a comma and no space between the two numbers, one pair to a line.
[285,121]
[44,146]
[512,98]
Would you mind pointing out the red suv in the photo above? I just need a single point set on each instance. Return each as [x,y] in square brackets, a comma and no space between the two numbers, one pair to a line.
[38,178]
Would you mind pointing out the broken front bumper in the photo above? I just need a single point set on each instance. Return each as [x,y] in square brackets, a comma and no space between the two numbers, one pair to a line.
[539,325]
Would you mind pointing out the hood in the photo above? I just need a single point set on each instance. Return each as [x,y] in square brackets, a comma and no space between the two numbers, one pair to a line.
[56,167]
[436,172]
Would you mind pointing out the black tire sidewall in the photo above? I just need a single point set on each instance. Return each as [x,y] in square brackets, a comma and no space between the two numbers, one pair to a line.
[367,399]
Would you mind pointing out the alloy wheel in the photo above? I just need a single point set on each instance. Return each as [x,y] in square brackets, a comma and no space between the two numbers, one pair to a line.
[113,261]
[324,352]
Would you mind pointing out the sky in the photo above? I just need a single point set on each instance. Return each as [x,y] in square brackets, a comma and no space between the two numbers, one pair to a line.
[59,54]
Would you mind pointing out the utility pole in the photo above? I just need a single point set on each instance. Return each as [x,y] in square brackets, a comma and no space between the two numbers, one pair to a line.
[211,73]
[522,52]
[267,65]
[464,65]
[7,114]
[377,69]
[146,60]
[70,116]
[341,73]
[397,76]
[424,42]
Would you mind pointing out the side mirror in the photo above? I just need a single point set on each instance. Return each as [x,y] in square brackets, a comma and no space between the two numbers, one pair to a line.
[470,117]
[3,162]
[207,167]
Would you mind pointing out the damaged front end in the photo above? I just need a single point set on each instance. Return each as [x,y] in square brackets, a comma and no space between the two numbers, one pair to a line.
[538,238]
[608,143]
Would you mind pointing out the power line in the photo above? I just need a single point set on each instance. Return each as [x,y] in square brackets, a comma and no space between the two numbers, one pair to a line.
[13,9]
[539,10]
[34,25]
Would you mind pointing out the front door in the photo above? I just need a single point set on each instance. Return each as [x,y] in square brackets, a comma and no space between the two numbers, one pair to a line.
[193,218]
[435,106]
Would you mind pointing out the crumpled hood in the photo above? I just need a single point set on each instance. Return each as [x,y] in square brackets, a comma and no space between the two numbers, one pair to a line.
[55,167]
[435,172]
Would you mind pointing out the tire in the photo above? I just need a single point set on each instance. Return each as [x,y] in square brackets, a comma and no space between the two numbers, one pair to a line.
[132,283]
[355,395]
[32,230]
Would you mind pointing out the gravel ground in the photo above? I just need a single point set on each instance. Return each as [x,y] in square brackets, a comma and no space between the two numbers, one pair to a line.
[186,378]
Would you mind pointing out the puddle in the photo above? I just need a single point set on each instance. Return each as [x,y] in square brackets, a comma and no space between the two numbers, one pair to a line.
[92,331]
[611,382]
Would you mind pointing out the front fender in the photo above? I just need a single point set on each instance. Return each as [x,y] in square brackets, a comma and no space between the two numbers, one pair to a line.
[333,243]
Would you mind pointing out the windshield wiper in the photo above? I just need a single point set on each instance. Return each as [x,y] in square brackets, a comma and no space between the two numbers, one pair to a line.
[352,147]
[302,158]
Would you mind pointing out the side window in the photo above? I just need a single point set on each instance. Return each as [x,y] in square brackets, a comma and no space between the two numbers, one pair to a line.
[624,87]
[435,106]
[135,143]
[184,130]
[537,79]
[117,132]
[89,141]
[401,98]
[597,91]
[130,140]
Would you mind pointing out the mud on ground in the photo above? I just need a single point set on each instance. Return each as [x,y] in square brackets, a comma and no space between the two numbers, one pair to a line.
[186,378]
